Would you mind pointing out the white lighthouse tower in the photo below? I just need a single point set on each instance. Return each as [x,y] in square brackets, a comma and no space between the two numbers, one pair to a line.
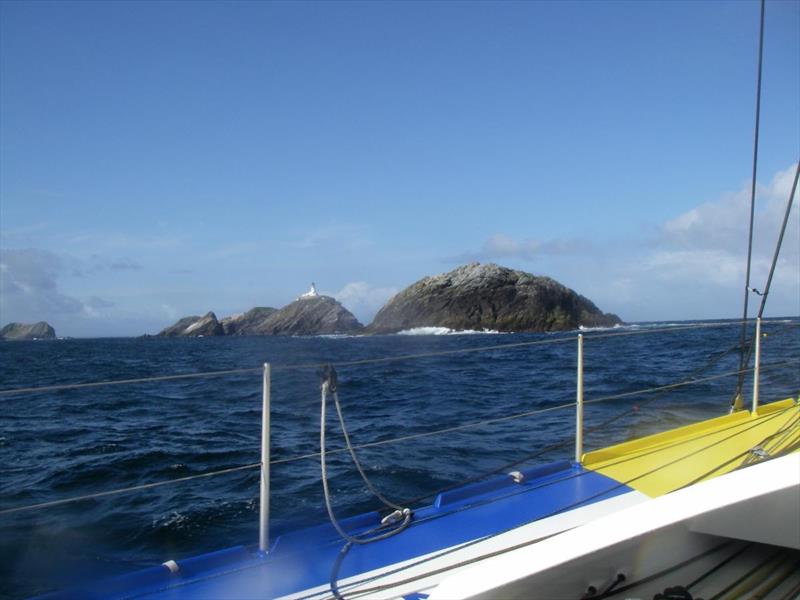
[311,293]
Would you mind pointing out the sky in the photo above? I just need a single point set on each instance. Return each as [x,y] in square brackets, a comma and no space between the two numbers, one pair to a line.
[163,159]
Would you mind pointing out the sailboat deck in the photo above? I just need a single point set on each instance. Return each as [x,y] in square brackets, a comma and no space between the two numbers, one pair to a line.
[664,462]
[468,524]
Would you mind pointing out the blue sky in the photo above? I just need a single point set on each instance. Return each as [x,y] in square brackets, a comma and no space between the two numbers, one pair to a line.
[162,159]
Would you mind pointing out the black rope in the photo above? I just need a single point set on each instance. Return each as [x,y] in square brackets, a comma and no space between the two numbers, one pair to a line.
[747,575]
[717,567]
[671,569]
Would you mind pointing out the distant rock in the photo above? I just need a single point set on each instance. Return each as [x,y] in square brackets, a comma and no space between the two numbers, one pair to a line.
[24,331]
[206,325]
[486,296]
[310,315]
[247,323]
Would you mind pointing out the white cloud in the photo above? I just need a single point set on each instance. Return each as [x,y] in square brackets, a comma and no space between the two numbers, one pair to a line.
[500,246]
[170,311]
[693,266]
[363,299]
[29,289]
[710,241]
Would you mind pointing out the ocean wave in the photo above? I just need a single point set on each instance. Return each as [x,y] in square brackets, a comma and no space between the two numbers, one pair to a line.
[656,325]
[445,331]
[333,336]
[660,325]
[617,326]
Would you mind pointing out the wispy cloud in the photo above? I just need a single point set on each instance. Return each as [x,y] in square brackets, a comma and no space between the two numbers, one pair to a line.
[723,224]
[709,241]
[363,299]
[23,234]
[500,246]
[125,265]
[29,289]
[697,254]
[332,236]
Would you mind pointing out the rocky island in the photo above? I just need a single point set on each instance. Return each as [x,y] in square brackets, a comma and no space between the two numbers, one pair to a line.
[472,297]
[486,296]
[207,325]
[247,323]
[310,314]
[24,331]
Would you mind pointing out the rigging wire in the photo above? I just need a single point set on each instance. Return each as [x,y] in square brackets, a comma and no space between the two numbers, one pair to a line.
[775,255]
[133,488]
[737,402]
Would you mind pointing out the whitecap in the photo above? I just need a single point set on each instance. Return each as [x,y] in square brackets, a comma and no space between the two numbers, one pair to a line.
[617,326]
[445,331]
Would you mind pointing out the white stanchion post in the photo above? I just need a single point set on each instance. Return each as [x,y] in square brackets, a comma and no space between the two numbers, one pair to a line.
[757,369]
[263,514]
[579,404]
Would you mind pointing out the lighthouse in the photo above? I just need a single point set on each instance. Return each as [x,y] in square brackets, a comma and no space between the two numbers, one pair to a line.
[311,293]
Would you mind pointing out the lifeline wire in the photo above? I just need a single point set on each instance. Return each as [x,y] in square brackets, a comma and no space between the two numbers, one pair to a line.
[478,540]
[134,488]
[374,444]
[373,578]
[386,359]
[473,424]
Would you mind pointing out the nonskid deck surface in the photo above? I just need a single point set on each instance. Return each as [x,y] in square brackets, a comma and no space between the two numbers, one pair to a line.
[664,462]
[473,521]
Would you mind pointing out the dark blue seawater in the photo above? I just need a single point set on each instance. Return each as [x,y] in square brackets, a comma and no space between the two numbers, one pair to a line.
[60,444]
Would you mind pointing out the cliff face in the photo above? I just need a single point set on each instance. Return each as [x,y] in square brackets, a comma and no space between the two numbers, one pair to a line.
[486,296]
[247,323]
[312,315]
[25,331]
[206,325]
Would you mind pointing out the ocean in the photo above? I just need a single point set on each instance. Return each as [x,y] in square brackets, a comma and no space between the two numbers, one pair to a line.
[67,443]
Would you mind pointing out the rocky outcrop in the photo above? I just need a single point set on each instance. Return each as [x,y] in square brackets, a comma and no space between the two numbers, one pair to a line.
[207,325]
[247,323]
[310,315]
[24,331]
[486,296]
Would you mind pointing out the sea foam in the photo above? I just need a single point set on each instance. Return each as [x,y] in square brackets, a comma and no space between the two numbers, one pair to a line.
[445,331]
